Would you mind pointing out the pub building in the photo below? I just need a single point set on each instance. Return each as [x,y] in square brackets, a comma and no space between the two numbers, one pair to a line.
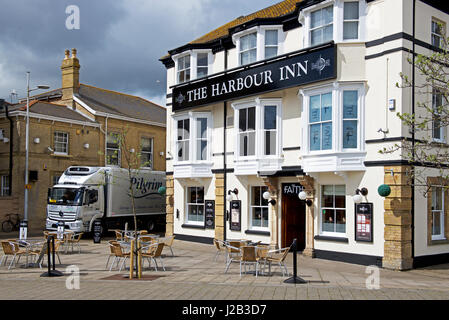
[274,125]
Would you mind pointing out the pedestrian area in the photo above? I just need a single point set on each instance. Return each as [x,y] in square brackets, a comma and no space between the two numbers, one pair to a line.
[193,273]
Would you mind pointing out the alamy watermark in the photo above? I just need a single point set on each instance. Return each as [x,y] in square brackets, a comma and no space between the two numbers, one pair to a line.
[373,280]
[73,280]
[72,22]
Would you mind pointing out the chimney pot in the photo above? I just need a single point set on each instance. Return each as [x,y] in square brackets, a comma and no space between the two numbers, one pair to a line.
[73,53]
[67,52]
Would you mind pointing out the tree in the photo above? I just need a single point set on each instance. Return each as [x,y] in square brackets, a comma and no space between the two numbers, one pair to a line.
[430,118]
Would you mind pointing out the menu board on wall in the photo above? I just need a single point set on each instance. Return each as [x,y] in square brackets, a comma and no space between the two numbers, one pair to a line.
[364,222]
[210,213]
[236,215]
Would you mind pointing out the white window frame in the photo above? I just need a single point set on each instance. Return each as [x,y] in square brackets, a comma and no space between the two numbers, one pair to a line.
[119,153]
[150,166]
[260,30]
[337,90]
[321,26]
[338,20]
[439,35]
[440,236]
[193,116]
[251,207]
[193,63]
[197,204]
[259,104]
[66,143]
[442,129]
[328,233]
[351,20]
[5,190]
[178,71]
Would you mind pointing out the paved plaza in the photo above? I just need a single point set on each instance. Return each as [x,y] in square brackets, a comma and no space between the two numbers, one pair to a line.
[192,274]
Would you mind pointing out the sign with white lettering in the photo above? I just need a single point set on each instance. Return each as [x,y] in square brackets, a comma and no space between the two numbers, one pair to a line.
[291,188]
[364,222]
[293,69]
[236,215]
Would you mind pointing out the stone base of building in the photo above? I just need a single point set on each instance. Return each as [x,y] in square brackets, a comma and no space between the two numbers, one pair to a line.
[397,264]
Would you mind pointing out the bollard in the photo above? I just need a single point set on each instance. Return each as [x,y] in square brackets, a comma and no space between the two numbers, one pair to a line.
[295,278]
[50,272]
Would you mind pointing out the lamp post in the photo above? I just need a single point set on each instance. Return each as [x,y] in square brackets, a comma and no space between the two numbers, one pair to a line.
[24,226]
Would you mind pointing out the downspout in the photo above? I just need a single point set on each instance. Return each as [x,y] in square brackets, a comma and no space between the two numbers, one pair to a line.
[11,132]
[225,114]
[413,134]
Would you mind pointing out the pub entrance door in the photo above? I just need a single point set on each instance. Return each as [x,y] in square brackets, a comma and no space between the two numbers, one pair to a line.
[293,216]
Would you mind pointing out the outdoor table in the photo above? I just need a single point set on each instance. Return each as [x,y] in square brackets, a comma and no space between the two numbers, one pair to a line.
[30,244]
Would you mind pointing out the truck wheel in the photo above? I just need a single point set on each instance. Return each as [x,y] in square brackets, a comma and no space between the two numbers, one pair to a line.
[151,225]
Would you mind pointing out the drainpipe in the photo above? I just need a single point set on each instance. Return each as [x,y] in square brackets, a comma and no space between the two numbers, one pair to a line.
[225,113]
[413,133]
[11,132]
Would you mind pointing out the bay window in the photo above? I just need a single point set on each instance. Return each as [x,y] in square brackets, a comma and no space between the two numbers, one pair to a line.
[193,64]
[258,128]
[202,65]
[183,70]
[320,119]
[258,209]
[271,43]
[192,142]
[333,209]
[248,48]
[350,119]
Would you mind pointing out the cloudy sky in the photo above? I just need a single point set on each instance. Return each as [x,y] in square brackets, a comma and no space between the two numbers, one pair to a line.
[119,42]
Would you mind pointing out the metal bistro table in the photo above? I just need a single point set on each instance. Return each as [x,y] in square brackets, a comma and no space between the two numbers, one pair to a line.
[30,246]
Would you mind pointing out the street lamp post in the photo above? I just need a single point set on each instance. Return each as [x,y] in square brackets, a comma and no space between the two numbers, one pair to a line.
[24,226]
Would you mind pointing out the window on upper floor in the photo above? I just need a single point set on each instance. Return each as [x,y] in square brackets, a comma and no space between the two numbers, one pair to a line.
[183,69]
[437,33]
[113,153]
[193,137]
[146,152]
[258,123]
[321,25]
[333,117]
[337,20]
[4,186]
[258,43]
[351,20]
[61,142]
[438,131]
[193,64]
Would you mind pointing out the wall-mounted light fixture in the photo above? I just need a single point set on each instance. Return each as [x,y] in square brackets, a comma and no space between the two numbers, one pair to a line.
[132,150]
[86,146]
[37,140]
[358,195]
[266,195]
[229,196]
[303,196]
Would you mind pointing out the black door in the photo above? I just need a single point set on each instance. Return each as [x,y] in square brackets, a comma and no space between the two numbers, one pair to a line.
[293,217]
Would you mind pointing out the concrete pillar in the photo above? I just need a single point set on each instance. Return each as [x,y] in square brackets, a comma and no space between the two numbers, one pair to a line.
[219,206]
[272,184]
[309,187]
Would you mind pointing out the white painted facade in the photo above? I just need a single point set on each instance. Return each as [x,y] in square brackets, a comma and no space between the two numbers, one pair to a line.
[370,66]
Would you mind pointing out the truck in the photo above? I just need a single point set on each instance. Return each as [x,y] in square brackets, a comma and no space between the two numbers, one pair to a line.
[85,194]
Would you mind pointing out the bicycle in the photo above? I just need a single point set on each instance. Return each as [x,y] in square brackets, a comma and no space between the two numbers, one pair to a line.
[9,224]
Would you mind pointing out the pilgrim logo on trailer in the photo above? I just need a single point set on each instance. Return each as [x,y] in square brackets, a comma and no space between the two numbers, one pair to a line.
[320,64]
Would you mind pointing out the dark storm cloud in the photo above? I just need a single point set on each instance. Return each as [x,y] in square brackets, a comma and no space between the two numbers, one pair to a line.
[119,42]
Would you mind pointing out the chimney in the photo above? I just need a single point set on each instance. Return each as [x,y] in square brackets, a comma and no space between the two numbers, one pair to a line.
[70,77]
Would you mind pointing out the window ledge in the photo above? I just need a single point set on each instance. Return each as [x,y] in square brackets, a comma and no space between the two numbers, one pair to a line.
[193,226]
[439,241]
[251,166]
[60,155]
[258,232]
[334,161]
[328,238]
[193,170]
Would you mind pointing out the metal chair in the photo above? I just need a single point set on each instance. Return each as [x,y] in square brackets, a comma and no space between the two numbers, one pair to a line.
[249,256]
[154,251]
[11,248]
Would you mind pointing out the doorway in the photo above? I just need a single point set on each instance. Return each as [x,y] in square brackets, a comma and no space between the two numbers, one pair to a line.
[293,216]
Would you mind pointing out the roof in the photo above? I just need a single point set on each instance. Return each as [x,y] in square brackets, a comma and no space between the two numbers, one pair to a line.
[113,102]
[277,10]
[274,11]
[121,104]
[51,109]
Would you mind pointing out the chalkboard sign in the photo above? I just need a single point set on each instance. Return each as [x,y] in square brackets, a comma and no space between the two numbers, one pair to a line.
[97,231]
[364,222]
[236,215]
[210,213]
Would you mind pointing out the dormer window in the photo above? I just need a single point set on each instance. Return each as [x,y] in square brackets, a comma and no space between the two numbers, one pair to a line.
[184,69]
[258,43]
[193,64]
[321,25]
[351,20]
[248,48]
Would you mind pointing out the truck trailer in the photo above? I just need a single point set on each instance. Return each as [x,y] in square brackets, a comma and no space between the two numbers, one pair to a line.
[85,194]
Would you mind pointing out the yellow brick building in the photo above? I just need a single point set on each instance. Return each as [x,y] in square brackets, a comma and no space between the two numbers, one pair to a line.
[70,126]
